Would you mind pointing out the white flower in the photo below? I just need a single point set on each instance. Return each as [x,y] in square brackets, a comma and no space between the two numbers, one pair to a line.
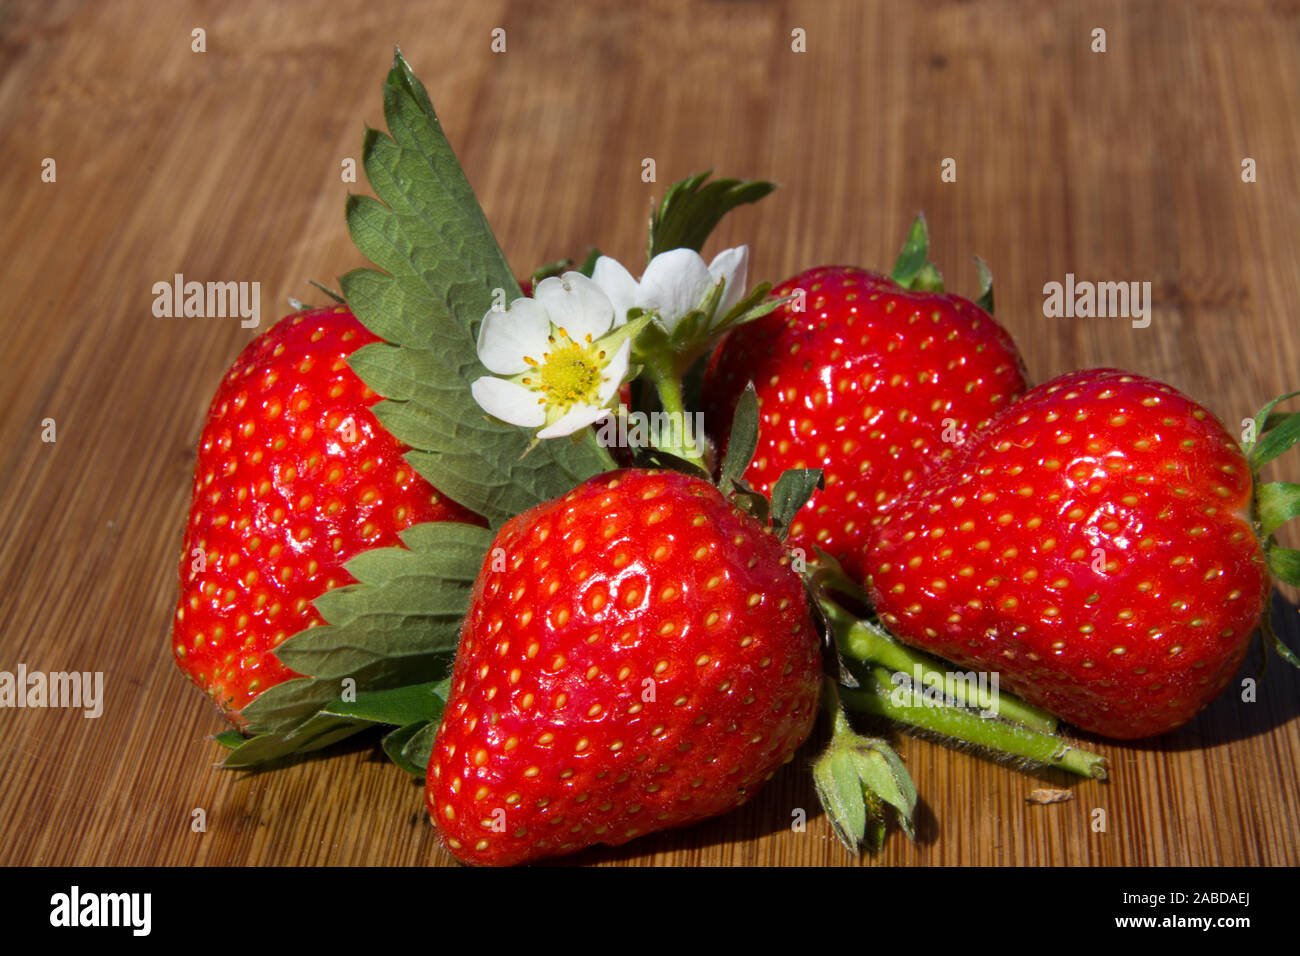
[560,354]
[675,283]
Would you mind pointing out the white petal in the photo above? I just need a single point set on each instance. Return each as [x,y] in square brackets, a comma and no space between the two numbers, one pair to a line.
[580,416]
[505,338]
[617,283]
[733,266]
[509,402]
[576,304]
[614,372]
[673,284]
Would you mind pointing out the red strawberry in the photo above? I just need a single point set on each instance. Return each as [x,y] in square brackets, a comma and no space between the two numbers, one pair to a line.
[872,383]
[637,655]
[1093,545]
[295,476]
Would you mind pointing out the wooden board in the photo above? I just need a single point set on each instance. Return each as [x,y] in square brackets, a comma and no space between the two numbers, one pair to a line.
[225,165]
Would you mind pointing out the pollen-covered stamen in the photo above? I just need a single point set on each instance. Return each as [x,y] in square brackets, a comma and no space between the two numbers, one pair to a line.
[569,373]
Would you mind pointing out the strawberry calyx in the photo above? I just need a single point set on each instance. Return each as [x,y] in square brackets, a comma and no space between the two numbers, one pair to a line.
[1273,504]
[860,780]
[914,271]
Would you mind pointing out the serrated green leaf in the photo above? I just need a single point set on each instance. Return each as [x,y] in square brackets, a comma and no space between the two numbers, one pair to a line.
[743,440]
[691,209]
[467,456]
[399,625]
[791,492]
[445,271]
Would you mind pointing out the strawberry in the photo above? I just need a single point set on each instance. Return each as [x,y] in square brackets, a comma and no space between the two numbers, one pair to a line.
[874,384]
[295,476]
[638,654]
[1094,545]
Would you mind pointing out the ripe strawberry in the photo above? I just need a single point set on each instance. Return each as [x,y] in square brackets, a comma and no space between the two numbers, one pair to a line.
[873,383]
[295,476]
[637,655]
[1093,545]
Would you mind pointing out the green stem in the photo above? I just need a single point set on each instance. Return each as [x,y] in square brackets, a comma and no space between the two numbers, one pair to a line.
[961,724]
[868,644]
[659,370]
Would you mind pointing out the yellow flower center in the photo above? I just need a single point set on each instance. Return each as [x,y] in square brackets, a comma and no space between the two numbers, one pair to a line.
[569,373]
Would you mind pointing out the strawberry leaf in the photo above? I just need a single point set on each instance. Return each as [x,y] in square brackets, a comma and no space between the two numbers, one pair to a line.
[397,626]
[444,272]
[691,209]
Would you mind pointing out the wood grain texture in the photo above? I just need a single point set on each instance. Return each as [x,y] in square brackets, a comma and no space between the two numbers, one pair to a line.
[225,166]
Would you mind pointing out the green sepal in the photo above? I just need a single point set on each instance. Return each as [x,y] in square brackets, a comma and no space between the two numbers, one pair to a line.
[1271,639]
[315,733]
[328,291]
[856,778]
[230,739]
[1276,441]
[916,248]
[928,279]
[558,267]
[395,744]
[657,458]
[398,706]
[790,493]
[752,502]
[416,751]
[1285,564]
[985,300]
[1266,421]
[691,209]
[743,440]
[1278,503]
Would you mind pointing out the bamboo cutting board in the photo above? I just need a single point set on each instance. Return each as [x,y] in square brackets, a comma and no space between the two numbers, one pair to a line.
[226,165]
